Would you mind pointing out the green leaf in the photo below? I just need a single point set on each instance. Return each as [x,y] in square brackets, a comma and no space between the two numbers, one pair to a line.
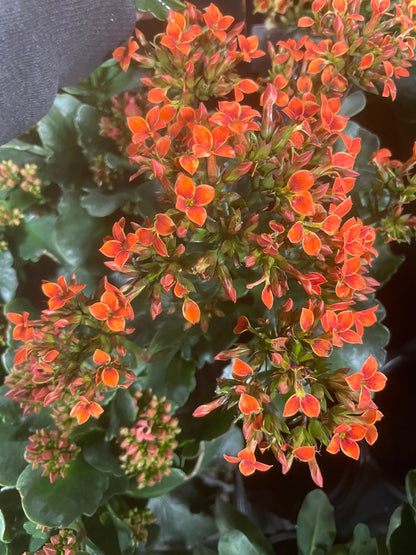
[101,204]
[386,264]
[125,535]
[401,533]
[39,238]
[58,504]
[159,8]
[13,517]
[14,440]
[86,122]
[99,455]
[315,524]
[168,483]
[228,518]
[171,376]
[353,103]
[411,487]
[122,413]
[178,526]
[234,542]
[362,543]
[10,412]
[229,443]
[66,163]
[8,277]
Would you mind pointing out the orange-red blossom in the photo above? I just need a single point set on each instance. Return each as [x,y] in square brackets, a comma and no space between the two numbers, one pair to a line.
[247,462]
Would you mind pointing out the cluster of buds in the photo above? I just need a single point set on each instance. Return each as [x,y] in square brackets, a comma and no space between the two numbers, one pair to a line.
[51,450]
[147,447]
[62,543]
[393,188]
[9,217]
[71,353]
[25,178]
[287,11]
[138,520]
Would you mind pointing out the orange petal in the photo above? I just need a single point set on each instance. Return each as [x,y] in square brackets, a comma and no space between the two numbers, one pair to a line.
[377,382]
[100,357]
[246,468]
[242,325]
[369,367]
[355,381]
[311,244]
[248,404]
[189,163]
[241,369]
[204,195]
[303,204]
[300,181]
[191,312]
[292,406]
[100,311]
[184,186]
[350,448]
[306,319]
[305,453]
[310,406]
[110,377]
[295,233]
[197,215]
[334,445]
[321,347]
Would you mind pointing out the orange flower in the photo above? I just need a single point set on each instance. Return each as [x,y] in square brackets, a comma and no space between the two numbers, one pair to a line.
[113,308]
[119,246]
[216,22]
[241,369]
[248,47]
[84,409]
[191,311]
[177,38]
[206,142]
[124,54]
[22,330]
[60,292]
[248,404]
[366,381]
[345,438]
[164,226]
[106,373]
[191,199]
[302,201]
[340,327]
[156,119]
[247,462]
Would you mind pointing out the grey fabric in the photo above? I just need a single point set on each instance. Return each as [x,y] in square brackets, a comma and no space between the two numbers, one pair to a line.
[47,44]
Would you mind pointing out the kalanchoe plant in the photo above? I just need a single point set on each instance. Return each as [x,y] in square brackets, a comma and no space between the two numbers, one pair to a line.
[238,211]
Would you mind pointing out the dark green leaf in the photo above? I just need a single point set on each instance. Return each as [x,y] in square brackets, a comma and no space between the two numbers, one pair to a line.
[122,413]
[401,533]
[315,524]
[234,542]
[58,504]
[228,518]
[14,440]
[86,123]
[411,487]
[10,412]
[159,8]
[66,162]
[229,443]
[386,264]
[176,478]
[8,277]
[99,455]
[13,516]
[362,543]
[101,204]
[178,526]
[39,238]
[125,535]
[171,376]
[78,238]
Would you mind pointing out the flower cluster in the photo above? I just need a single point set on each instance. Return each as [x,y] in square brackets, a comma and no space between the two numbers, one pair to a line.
[25,178]
[393,188]
[51,450]
[262,197]
[147,447]
[70,356]
[138,521]
[62,543]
